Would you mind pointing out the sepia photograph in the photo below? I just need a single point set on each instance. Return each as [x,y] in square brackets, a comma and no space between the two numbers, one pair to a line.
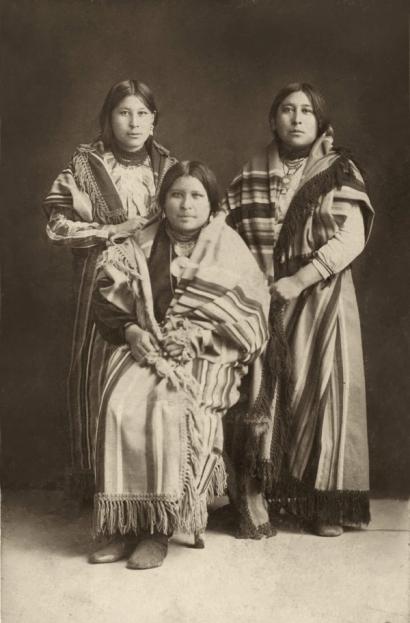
[204,304]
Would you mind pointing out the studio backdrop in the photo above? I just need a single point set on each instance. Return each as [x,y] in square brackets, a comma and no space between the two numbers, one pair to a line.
[214,68]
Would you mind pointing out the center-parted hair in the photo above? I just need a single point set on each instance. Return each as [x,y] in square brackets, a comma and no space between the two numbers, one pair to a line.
[316,99]
[196,169]
[114,96]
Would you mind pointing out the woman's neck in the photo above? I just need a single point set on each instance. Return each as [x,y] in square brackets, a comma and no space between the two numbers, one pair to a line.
[178,236]
[293,153]
[129,158]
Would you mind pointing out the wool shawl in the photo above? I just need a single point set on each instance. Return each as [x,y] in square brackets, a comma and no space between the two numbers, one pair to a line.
[307,438]
[87,174]
[219,309]
[330,179]
[85,193]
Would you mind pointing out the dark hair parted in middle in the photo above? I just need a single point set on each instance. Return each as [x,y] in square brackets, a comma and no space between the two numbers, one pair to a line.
[114,96]
[196,169]
[316,99]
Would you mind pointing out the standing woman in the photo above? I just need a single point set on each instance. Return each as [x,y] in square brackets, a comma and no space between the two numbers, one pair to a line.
[302,208]
[109,187]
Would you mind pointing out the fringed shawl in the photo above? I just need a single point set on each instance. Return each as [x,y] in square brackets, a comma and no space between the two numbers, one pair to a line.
[91,177]
[220,286]
[329,185]
[329,176]
[222,301]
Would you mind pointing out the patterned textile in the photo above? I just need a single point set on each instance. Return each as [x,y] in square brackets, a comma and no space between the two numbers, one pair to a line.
[82,201]
[309,446]
[159,439]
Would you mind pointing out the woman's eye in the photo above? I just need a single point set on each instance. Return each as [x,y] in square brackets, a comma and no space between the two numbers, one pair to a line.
[197,195]
[123,113]
[307,111]
[142,113]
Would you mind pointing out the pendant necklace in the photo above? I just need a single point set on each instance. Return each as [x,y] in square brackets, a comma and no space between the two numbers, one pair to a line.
[290,167]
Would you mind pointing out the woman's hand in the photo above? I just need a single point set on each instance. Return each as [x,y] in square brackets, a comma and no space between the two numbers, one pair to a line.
[128,227]
[288,288]
[285,290]
[173,347]
[141,342]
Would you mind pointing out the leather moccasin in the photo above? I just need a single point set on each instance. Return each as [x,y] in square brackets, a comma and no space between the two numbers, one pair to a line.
[115,550]
[150,552]
[324,529]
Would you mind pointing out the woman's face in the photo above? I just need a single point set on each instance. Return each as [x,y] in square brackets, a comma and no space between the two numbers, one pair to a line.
[295,122]
[131,123]
[187,206]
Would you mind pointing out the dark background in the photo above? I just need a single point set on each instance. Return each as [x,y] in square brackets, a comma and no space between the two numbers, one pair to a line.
[214,68]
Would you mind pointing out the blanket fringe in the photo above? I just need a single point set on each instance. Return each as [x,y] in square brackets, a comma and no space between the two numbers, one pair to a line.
[125,514]
[333,507]
[304,202]
[218,484]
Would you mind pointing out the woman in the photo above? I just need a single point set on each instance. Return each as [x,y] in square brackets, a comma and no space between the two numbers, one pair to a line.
[302,208]
[109,187]
[187,305]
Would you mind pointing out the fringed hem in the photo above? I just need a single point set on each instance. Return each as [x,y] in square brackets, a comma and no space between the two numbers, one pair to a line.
[115,514]
[219,481]
[334,507]
[128,514]
[247,530]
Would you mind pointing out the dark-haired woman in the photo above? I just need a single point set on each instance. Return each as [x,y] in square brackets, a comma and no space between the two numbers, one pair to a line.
[109,187]
[301,206]
[186,305]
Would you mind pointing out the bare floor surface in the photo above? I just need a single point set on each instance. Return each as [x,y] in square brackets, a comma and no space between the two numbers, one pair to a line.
[295,577]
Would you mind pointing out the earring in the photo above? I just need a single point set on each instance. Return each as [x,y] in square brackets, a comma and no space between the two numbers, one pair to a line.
[151,130]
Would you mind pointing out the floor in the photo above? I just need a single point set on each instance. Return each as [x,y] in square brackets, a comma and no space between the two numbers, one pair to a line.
[360,577]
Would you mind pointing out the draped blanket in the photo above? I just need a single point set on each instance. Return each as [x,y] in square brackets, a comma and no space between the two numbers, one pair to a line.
[307,437]
[159,440]
[84,196]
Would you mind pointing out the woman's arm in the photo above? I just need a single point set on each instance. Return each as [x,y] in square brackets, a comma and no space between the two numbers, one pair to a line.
[70,216]
[333,257]
[118,324]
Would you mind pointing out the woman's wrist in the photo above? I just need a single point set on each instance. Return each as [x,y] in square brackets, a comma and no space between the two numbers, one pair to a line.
[129,329]
[307,276]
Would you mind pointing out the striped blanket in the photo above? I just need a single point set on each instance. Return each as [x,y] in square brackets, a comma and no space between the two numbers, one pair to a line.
[313,452]
[159,440]
[82,199]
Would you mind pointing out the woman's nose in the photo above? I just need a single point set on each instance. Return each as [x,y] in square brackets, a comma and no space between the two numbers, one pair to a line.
[186,202]
[296,117]
[133,121]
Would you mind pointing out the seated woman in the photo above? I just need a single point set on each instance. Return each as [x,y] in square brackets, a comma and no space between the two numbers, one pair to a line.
[302,208]
[187,305]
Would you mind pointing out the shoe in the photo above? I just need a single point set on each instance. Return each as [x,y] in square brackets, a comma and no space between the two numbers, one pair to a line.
[325,529]
[115,550]
[150,552]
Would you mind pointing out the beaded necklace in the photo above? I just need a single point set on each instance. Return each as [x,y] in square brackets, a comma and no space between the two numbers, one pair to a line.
[290,168]
[129,158]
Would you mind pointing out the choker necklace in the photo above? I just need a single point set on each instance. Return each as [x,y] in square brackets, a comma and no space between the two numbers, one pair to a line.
[182,244]
[129,158]
[287,153]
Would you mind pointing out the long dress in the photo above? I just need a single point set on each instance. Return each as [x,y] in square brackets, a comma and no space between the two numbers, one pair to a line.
[92,193]
[160,438]
[312,455]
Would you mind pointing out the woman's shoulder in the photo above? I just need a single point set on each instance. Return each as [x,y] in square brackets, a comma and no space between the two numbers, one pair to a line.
[84,150]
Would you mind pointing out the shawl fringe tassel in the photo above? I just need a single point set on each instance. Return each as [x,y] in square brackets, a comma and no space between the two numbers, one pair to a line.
[125,514]
[305,200]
